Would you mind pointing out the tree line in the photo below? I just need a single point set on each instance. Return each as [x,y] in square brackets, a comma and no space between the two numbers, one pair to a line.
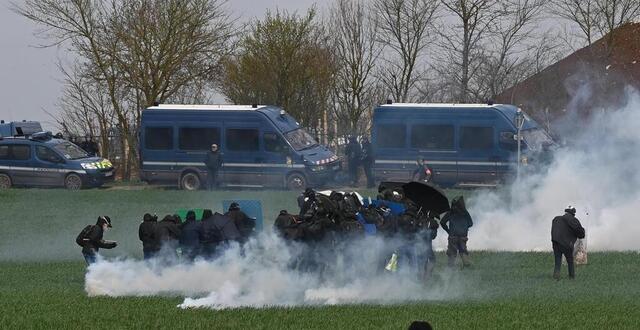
[327,67]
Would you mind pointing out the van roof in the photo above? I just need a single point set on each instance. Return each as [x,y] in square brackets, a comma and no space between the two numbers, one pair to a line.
[440,105]
[207,107]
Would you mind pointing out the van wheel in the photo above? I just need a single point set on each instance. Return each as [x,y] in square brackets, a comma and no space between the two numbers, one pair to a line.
[296,182]
[73,182]
[190,181]
[5,181]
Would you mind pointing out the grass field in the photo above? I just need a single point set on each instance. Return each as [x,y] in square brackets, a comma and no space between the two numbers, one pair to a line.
[42,277]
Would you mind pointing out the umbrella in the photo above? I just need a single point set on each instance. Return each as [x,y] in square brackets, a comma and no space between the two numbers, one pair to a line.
[227,228]
[426,197]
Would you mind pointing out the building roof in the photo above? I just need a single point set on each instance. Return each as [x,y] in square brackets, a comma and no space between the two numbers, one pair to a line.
[592,78]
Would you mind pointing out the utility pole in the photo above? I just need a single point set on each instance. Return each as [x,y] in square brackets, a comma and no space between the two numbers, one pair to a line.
[519,124]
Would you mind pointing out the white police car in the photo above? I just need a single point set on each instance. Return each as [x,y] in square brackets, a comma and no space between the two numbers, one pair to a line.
[42,160]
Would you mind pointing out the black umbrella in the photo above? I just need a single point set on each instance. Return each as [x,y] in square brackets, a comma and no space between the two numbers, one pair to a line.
[426,197]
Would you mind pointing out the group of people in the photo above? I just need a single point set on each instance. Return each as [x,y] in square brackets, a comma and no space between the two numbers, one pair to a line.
[193,238]
[327,222]
[360,155]
[170,236]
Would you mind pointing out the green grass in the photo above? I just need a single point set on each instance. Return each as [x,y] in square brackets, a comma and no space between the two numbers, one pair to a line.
[42,276]
[510,290]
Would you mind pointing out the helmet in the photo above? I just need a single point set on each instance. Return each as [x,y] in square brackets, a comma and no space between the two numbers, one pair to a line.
[103,219]
[571,210]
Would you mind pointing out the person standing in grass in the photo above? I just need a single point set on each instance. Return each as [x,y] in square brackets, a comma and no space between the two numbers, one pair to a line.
[459,221]
[565,230]
[147,234]
[90,238]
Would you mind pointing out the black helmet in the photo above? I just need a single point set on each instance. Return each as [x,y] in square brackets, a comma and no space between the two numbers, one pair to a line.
[149,217]
[207,213]
[103,219]
[234,206]
[191,215]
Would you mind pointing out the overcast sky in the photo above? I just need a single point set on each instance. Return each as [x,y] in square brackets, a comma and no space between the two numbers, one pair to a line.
[29,78]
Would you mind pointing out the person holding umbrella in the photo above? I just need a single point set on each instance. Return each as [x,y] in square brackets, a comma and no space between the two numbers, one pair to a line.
[459,221]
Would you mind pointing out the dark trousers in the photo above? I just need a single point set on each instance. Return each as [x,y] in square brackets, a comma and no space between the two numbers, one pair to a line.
[457,244]
[558,251]
[353,171]
[149,253]
[89,258]
[212,178]
[368,171]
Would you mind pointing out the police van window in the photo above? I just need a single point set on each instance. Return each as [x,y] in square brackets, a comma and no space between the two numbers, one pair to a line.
[20,152]
[198,138]
[158,138]
[273,143]
[4,152]
[432,137]
[46,154]
[240,139]
[391,136]
[476,138]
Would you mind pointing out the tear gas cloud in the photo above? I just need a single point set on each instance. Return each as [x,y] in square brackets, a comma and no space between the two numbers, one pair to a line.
[260,275]
[597,173]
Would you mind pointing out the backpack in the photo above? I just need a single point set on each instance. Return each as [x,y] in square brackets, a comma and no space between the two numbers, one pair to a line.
[84,234]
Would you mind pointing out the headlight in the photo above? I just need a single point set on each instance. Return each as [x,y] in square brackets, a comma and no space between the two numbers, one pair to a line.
[318,168]
[89,166]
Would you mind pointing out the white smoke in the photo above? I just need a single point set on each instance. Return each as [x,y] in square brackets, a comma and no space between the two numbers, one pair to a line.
[260,274]
[598,173]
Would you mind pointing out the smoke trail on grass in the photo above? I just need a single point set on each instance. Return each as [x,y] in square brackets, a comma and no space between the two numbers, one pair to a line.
[598,173]
[261,274]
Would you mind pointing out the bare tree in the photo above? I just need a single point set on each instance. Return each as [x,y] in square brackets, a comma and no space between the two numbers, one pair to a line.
[356,52]
[138,51]
[404,28]
[598,18]
[510,48]
[463,41]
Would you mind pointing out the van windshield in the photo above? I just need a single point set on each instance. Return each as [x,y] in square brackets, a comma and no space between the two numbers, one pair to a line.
[300,139]
[70,151]
[536,138]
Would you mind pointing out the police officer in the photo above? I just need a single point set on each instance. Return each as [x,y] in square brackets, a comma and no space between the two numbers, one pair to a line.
[213,161]
[353,153]
[368,161]
[422,172]
[244,224]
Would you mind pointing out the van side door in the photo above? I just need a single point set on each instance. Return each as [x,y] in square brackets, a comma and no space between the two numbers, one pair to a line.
[157,153]
[478,155]
[277,158]
[434,142]
[48,167]
[194,143]
[242,158]
[19,159]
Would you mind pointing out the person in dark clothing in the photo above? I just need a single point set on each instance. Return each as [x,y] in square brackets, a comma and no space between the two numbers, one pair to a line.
[92,242]
[565,229]
[459,223]
[306,201]
[353,153]
[210,235]
[213,161]
[190,237]
[167,235]
[423,172]
[367,162]
[286,225]
[244,224]
[147,234]
[430,233]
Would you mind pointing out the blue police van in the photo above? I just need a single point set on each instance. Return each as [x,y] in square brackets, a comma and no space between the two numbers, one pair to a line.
[464,144]
[261,146]
[39,159]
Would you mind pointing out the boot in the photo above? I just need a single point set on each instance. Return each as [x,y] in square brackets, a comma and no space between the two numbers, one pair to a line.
[556,275]
[466,262]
